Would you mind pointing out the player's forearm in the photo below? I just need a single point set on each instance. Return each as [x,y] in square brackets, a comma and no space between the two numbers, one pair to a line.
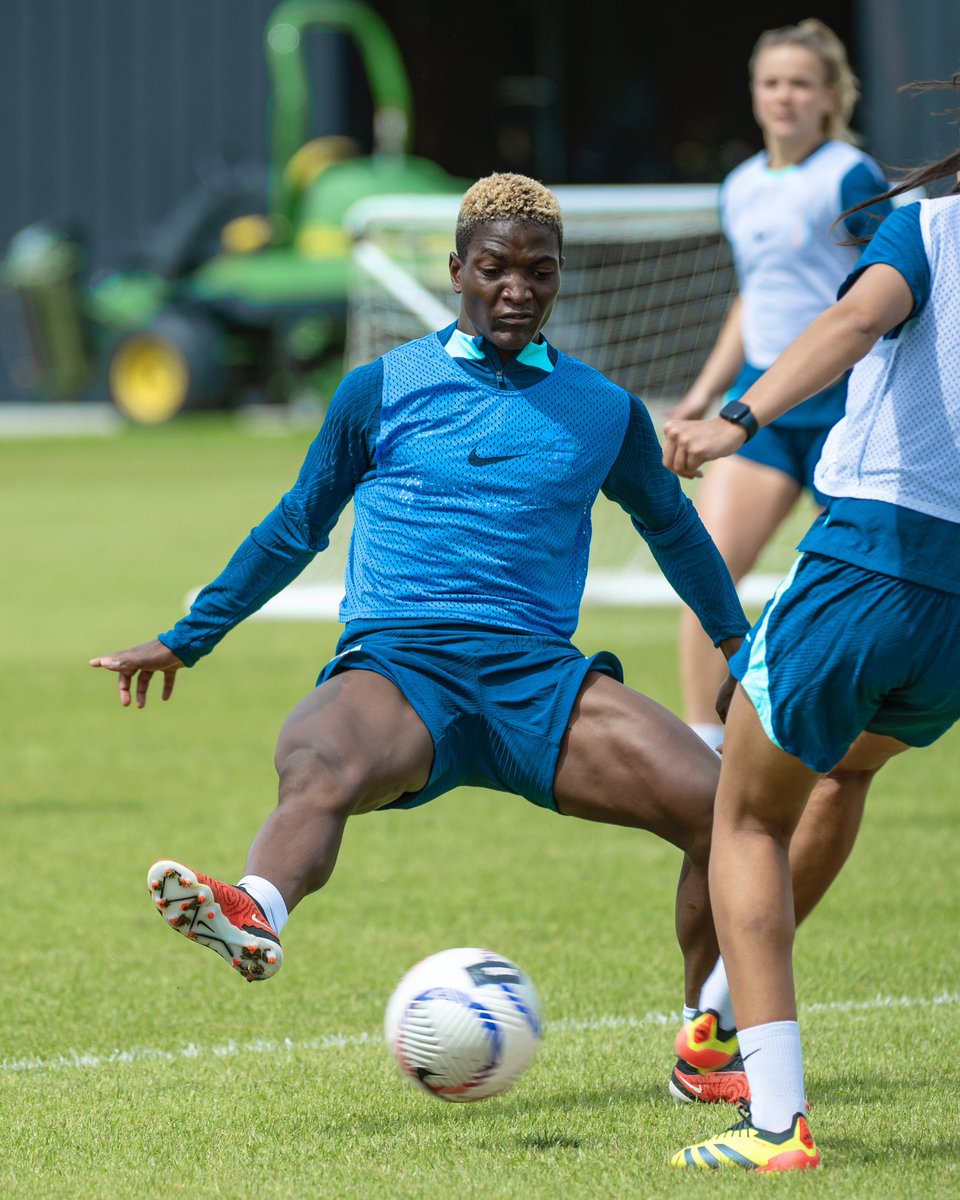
[253,576]
[832,344]
[273,555]
[879,300]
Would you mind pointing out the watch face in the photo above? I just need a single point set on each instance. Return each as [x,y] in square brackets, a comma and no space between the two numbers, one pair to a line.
[740,414]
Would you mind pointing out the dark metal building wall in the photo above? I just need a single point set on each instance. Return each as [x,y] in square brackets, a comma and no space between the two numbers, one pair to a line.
[111,106]
[902,41]
[112,109]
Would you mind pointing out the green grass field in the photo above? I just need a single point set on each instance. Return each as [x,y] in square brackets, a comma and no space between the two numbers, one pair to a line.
[134,1065]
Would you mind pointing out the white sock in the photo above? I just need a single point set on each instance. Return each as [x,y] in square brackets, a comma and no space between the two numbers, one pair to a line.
[711,734]
[689,1013]
[269,899]
[715,994]
[774,1064]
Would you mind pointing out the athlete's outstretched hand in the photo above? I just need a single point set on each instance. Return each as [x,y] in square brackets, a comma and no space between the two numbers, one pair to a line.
[143,662]
[689,444]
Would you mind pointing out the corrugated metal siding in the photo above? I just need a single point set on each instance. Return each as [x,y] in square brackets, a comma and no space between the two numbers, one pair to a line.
[110,108]
[902,41]
[111,104]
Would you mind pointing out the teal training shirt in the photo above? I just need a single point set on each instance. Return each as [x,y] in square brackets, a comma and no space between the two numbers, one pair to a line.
[473,483]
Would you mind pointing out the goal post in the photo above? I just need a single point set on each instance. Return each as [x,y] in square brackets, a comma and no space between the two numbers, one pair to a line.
[645,287]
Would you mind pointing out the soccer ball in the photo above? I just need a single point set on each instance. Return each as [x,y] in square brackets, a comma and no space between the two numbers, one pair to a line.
[464,1024]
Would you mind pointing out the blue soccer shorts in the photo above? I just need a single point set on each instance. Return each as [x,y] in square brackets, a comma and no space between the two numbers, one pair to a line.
[794,451]
[497,702]
[840,650]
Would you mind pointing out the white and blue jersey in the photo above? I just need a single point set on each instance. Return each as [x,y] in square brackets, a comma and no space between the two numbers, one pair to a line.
[864,634]
[473,484]
[891,467]
[788,253]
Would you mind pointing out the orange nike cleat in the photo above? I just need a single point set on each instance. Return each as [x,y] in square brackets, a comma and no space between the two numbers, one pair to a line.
[217,915]
[725,1085]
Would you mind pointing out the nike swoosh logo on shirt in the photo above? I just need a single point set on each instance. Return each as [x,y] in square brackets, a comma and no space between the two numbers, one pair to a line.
[475,460]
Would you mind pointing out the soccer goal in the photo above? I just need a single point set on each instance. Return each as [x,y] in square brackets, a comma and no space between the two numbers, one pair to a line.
[647,281]
[645,286]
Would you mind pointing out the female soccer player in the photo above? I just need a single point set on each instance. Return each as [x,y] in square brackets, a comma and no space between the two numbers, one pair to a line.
[857,656]
[779,210]
[473,457]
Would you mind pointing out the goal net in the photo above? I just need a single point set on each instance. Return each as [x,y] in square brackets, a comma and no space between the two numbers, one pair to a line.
[646,284]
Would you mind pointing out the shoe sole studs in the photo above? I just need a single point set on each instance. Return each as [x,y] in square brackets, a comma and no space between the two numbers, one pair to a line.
[253,958]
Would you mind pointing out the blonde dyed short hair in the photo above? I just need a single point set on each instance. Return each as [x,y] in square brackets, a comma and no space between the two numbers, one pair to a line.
[505,197]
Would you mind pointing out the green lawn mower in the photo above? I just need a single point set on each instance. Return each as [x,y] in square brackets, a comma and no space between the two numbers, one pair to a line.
[247,285]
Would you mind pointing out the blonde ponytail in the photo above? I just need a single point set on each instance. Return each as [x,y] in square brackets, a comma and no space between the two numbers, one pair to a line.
[820,39]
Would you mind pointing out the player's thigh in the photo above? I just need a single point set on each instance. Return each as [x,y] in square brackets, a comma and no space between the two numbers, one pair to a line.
[869,753]
[627,760]
[761,784]
[359,731]
[742,503]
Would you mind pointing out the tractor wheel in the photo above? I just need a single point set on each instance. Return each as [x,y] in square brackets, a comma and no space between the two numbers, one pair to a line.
[175,364]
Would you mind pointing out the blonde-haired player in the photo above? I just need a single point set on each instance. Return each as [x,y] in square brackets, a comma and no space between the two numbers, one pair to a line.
[857,656]
[473,457]
[778,210]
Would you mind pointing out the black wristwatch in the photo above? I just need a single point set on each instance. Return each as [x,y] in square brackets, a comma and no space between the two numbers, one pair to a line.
[738,413]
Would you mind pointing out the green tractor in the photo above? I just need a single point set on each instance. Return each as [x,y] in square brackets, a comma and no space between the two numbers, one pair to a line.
[264,305]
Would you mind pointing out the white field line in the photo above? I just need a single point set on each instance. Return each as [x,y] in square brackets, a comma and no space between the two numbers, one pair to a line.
[74,1059]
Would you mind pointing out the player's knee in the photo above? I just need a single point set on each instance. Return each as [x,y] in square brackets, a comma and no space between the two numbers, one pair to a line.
[316,774]
[698,834]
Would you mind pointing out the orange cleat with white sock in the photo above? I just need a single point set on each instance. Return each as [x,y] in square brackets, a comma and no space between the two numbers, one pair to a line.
[218,915]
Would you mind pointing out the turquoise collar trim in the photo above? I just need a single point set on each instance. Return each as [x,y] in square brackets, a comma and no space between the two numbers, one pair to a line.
[460,345]
[534,354]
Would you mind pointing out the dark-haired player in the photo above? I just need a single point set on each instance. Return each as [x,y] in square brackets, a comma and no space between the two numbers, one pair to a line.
[473,458]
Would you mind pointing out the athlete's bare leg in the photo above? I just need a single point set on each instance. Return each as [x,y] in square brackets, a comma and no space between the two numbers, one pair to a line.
[826,834]
[353,745]
[741,503]
[760,800]
[628,761]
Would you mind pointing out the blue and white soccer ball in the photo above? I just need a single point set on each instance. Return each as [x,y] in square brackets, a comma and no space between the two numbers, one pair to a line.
[464,1024]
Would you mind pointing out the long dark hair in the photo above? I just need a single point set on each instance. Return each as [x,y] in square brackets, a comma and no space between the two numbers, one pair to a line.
[919,177]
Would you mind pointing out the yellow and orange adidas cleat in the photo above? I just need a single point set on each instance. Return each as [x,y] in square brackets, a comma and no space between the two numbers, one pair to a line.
[218,915]
[704,1045]
[752,1149]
